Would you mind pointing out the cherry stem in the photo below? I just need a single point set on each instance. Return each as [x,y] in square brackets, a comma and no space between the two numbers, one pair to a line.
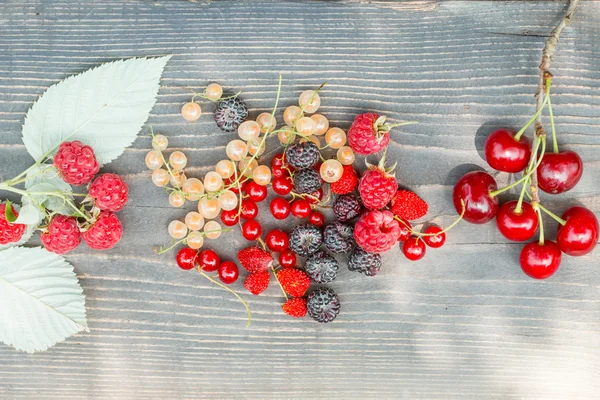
[495,193]
[452,225]
[231,290]
[541,225]
[531,121]
[552,127]
[551,214]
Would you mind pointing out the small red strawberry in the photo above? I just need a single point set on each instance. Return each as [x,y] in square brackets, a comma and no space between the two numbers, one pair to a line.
[258,282]
[295,282]
[369,133]
[295,307]
[347,183]
[377,186]
[255,259]
[408,206]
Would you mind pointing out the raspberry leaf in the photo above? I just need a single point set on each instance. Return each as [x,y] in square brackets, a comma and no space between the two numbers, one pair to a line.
[104,107]
[29,214]
[10,215]
[41,301]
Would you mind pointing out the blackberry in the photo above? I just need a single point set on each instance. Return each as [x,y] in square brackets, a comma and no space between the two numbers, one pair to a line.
[363,262]
[346,207]
[321,267]
[302,155]
[230,113]
[307,181]
[323,305]
[305,240]
[338,237]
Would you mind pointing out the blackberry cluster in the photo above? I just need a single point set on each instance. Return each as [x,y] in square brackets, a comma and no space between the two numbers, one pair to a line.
[323,305]
[305,240]
[363,262]
[230,113]
[338,237]
[346,207]
[302,155]
[321,267]
[307,181]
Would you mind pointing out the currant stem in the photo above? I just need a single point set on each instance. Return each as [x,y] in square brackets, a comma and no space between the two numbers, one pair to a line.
[231,290]
[279,283]
[311,98]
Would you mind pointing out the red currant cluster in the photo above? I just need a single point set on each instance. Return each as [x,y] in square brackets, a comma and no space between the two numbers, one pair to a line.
[66,223]
[519,220]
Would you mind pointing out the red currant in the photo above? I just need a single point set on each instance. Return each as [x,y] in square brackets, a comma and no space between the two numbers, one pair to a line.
[277,240]
[228,272]
[287,258]
[251,230]
[278,160]
[405,231]
[230,217]
[316,218]
[279,172]
[234,188]
[280,208]
[434,241]
[209,260]
[315,197]
[283,185]
[187,258]
[256,192]
[249,209]
[301,208]
[414,248]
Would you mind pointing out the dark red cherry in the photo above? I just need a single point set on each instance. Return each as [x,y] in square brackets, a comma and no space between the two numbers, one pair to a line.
[230,217]
[540,261]
[437,240]
[405,231]
[504,153]
[208,260]
[228,272]
[579,235]
[414,248]
[559,172]
[517,226]
[474,189]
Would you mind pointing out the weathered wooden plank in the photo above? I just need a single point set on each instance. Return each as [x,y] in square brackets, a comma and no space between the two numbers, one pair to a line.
[462,323]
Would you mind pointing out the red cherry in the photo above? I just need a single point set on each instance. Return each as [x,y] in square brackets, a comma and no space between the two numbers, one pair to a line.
[517,226]
[504,153]
[234,188]
[559,172]
[287,258]
[277,240]
[414,248]
[434,241]
[230,217]
[256,192]
[280,208]
[301,208]
[209,260]
[405,231]
[540,261]
[187,258]
[278,160]
[316,218]
[283,185]
[279,172]
[315,197]
[249,209]
[251,230]
[474,189]
[228,272]
[579,235]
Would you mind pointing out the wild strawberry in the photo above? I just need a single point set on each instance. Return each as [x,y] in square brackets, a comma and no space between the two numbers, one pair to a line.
[255,260]
[295,307]
[9,231]
[62,235]
[76,162]
[347,183]
[105,232]
[376,231]
[109,192]
[408,206]
[377,186]
[258,282]
[294,281]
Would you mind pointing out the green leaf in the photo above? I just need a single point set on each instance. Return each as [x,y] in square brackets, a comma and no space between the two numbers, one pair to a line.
[41,301]
[104,107]
[8,211]
[29,214]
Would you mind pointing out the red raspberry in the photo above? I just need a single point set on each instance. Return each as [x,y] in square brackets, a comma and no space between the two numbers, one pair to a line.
[376,188]
[295,307]
[9,231]
[368,134]
[347,183]
[258,282]
[376,231]
[294,281]
[110,192]
[408,206]
[62,235]
[76,162]
[105,232]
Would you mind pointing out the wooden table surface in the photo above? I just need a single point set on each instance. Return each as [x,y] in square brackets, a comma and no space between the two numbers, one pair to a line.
[464,322]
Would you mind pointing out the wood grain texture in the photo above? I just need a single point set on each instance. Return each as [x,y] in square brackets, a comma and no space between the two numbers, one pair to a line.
[464,323]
